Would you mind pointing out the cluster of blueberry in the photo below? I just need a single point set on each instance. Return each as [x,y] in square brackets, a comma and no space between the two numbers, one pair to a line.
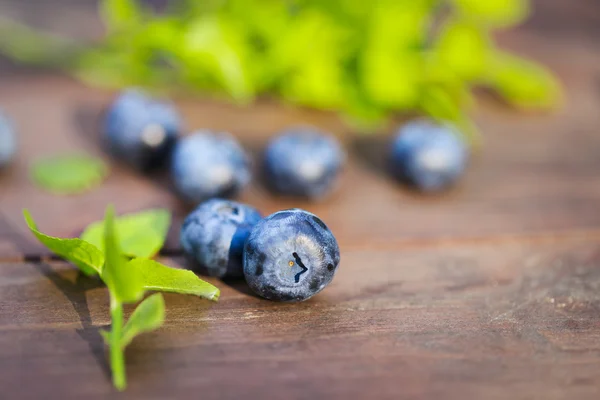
[300,162]
[288,256]
[206,164]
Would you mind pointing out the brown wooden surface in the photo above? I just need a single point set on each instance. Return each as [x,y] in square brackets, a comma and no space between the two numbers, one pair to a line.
[490,291]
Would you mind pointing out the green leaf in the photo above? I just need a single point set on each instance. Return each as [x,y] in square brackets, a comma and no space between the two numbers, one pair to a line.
[27,45]
[497,13]
[395,24]
[141,234]
[124,283]
[158,277]
[464,48]
[120,14]
[319,84]
[389,79]
[68,174]
[148,316]
[215,46]
[84,255]
[524,83]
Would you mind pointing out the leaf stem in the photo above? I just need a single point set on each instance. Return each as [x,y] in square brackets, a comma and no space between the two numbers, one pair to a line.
[117,360]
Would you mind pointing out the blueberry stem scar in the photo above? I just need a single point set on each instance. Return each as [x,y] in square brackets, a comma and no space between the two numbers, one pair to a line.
[301,265]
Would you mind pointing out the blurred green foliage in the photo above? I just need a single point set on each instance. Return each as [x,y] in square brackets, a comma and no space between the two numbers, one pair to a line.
[364,59]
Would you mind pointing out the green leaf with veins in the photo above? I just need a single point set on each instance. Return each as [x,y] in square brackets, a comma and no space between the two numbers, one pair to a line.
[158,277]
[87,257]
[124,283]
[148,316]
[141,234]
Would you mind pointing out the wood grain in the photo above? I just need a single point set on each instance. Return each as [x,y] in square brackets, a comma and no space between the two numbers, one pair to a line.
[489,291]
[515,320]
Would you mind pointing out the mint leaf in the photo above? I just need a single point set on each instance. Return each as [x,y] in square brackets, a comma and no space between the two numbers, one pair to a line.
[141,234]
[464,48]
[124,283]
[215,46]
[159,277]
[391,80]
[84,255]
[524,83]
[148,316]
[68,174]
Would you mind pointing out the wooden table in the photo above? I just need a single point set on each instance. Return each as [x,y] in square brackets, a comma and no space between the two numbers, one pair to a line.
[489,291]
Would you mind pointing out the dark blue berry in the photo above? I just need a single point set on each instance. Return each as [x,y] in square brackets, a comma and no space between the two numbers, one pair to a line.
[141,130]
[208,164]
[303,162]
[290,256]
[428,155]
[213,236]
[8,141]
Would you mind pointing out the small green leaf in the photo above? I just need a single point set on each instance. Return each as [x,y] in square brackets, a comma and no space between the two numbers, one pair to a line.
[524,83]
[148,316]
[497,13]
[391,80]
[84,255]
[465,49]
[120,14]
[68,174]
[159,277]
[141,234]
[124,283]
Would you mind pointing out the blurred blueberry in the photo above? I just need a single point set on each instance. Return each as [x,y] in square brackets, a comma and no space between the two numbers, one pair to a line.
[303,162]
[428,155]
[208,164]
[290,256]
[141,130]
[8,140]
[213,236]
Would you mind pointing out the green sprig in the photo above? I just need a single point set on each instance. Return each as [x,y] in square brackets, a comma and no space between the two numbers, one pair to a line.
[366,60]
[127,280]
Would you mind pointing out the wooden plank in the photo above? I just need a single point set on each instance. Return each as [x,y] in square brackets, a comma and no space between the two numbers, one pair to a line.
[498,320]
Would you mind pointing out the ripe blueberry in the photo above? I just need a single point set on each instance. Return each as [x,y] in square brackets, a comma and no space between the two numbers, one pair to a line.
[141,130]
[208,164]
[8,141]
[290,256]
[213,236]
[427,155]
[302,162]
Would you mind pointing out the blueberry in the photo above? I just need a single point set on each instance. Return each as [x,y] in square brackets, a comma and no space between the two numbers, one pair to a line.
[290,256]
[213,236]
[427,155]
[303,162]
[8,141]
[208,164]
[141,130]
